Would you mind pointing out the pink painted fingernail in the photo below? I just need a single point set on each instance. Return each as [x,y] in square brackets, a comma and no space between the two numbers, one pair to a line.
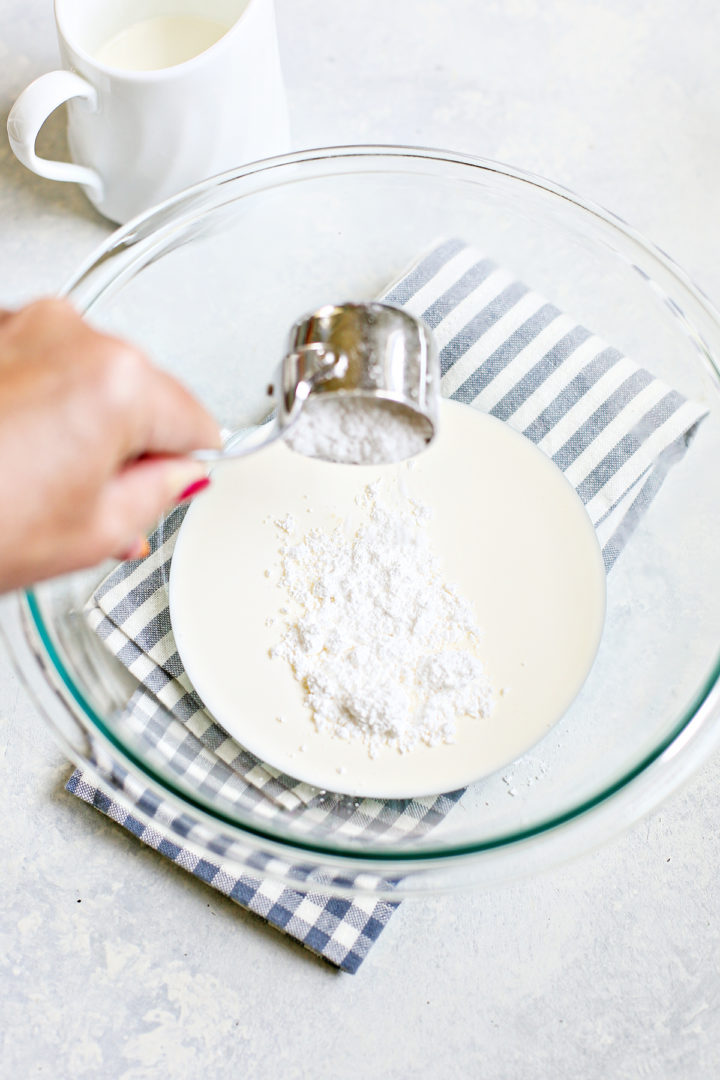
[194,489]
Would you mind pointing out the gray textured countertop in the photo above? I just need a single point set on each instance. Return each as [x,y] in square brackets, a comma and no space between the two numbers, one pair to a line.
[115,964]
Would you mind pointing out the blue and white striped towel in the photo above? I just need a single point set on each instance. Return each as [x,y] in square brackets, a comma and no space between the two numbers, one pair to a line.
[609,425]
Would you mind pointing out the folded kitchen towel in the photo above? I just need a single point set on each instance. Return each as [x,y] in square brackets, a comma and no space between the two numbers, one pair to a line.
[608,424]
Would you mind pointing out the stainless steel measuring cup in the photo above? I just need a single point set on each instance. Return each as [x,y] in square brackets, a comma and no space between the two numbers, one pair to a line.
[363,351]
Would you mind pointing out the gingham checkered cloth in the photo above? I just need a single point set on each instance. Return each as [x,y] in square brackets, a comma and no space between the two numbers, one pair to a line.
[609,425]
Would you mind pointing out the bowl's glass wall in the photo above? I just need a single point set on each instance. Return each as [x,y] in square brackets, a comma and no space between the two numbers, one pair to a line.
[210,287]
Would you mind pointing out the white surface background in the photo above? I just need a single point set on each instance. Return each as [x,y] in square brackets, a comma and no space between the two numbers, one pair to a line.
[115,964]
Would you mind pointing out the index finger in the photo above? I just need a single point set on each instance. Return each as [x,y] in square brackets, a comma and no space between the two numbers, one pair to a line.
[171,420]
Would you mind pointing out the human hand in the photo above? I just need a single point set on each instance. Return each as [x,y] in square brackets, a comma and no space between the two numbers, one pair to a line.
[93,444]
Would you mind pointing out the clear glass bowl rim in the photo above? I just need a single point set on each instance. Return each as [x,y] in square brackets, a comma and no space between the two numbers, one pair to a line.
[704,701]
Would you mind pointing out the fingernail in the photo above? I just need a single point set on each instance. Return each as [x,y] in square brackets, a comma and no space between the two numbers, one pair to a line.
[193,489]
[182,477]
[139,549]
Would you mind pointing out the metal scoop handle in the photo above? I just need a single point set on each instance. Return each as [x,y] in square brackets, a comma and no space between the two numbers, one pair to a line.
[317,365]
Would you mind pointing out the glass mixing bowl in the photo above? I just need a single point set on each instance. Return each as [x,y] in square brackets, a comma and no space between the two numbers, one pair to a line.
[209,285]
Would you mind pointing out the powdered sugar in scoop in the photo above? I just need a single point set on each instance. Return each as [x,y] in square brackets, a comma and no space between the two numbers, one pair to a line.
[386,650]
[357,430]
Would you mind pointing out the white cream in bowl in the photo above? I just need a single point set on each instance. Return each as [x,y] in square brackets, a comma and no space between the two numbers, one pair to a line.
[504,528]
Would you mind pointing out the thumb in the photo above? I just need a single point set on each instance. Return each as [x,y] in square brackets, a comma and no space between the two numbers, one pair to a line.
[137,497]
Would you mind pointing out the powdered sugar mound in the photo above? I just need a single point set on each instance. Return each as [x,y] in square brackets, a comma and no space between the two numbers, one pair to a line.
[359,431]
[386,650]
